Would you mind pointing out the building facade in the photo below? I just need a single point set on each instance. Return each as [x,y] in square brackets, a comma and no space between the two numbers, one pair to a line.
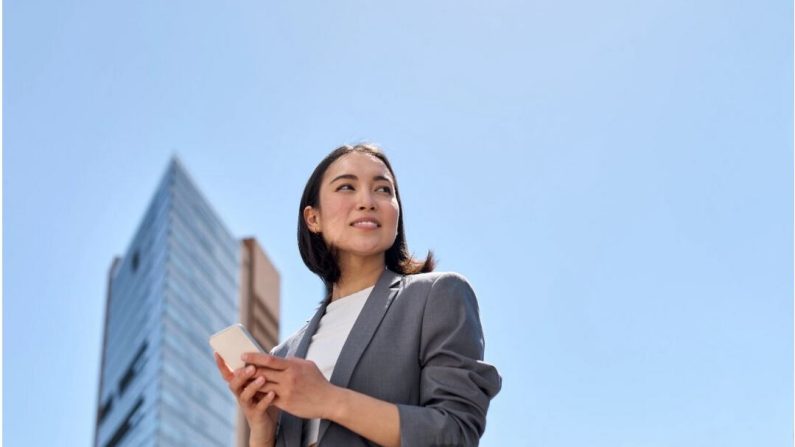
[183,278]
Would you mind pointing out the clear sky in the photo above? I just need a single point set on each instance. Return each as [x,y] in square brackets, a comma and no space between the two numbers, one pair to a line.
[615,178]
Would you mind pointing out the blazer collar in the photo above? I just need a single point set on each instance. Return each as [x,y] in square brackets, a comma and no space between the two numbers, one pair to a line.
[383,292]
[363,329]
[378,302]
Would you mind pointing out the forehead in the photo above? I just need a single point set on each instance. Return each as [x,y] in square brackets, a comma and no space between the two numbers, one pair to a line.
[359,164]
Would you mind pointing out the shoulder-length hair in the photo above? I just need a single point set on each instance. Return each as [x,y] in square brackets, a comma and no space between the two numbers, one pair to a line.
[320,258]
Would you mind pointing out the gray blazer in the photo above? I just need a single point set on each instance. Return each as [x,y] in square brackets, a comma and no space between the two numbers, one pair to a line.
[417,343]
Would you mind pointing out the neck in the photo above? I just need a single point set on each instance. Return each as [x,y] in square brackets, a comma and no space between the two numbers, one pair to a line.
[357,274]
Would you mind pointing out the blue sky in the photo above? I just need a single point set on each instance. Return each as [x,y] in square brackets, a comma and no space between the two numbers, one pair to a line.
[614,178]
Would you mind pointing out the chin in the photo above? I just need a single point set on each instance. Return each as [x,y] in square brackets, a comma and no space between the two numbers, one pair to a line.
[365,252]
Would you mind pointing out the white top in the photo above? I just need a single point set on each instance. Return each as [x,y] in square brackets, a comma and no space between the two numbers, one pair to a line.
[326,344]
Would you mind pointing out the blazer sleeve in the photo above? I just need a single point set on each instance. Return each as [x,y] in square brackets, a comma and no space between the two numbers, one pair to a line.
[456,385]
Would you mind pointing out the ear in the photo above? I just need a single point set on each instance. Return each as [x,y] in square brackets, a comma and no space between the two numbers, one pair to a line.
[312,219]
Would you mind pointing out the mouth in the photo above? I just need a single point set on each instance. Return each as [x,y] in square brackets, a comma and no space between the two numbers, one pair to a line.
[366,223]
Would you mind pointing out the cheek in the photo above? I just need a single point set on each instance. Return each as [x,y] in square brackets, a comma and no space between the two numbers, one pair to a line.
[394,213]
[332,213]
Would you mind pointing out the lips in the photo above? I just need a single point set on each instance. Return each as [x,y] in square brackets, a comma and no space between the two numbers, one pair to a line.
[366,222]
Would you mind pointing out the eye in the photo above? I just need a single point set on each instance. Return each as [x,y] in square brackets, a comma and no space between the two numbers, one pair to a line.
[385,189]
[345,187]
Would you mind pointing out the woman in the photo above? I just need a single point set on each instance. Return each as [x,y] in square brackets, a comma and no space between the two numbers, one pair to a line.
[393,355]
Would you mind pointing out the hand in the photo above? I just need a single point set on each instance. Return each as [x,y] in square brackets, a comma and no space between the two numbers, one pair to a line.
[300,387]
[256,404]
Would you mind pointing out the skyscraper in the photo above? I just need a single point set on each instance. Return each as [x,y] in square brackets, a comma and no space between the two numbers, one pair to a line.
[183,277]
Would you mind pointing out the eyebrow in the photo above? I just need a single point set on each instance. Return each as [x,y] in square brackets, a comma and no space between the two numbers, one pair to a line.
[353,177]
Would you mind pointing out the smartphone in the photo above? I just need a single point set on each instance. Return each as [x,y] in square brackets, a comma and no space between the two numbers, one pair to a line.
[232,342]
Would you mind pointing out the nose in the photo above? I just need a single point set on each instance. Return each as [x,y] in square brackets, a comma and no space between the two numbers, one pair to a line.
[366,201]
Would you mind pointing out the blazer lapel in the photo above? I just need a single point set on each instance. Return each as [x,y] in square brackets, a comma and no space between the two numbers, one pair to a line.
[385,290]
[292,426]
[311,328]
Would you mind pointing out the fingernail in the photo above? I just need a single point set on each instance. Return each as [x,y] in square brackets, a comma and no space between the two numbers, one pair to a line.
[249,369]
[259,379]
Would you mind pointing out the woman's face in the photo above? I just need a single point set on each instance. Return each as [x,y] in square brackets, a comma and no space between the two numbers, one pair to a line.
[358,212]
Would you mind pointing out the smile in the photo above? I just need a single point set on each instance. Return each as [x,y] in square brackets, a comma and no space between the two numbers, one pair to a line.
[365,223]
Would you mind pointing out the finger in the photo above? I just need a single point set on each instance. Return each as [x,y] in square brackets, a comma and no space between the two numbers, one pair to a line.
[263,404]
[270,387]
[226,373]
[272,375]
[264,373]
[251,389]
[242,376]
[266,360]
